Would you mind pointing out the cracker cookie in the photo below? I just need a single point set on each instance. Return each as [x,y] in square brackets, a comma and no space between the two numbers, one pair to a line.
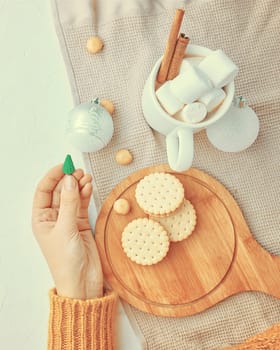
[145,241]
[181,224]
[159,194]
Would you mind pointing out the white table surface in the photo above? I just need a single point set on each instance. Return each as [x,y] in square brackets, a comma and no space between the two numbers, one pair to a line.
[34,100]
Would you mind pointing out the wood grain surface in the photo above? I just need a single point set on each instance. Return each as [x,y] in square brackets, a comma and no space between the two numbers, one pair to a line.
[219,259]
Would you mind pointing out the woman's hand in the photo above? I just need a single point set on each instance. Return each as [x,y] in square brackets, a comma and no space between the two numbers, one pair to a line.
[61,226]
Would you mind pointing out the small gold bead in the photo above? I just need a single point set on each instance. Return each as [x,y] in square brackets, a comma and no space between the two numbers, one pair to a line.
[94,44]
[121,206]
[124,157]
[108,105]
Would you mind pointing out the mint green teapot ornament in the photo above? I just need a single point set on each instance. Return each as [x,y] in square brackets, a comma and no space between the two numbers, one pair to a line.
[89,126]
[237,130]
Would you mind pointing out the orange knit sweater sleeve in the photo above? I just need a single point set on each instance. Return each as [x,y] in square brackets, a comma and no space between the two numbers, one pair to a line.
[267,340]
[82,324]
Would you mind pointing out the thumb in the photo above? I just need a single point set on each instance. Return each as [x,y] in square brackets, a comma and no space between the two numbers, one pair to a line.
[69,202]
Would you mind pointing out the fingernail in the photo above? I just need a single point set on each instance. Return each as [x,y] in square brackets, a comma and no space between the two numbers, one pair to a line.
[69,183]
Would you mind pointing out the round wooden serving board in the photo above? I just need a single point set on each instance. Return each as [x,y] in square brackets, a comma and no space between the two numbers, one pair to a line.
[219,259]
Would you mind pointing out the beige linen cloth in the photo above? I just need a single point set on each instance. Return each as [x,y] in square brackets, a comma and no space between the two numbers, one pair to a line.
[134,33]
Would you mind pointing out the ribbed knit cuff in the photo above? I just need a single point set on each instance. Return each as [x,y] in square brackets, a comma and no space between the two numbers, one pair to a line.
[82,324]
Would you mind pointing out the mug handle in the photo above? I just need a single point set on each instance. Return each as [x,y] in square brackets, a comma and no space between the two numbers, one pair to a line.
[179,146]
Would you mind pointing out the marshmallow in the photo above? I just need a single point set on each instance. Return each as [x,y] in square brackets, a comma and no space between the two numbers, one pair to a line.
[219,68]
[167,100]
[193,60]
[212,99]
[189,85]
[192,113]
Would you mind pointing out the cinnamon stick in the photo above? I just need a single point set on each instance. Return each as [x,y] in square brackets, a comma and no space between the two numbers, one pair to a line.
[178,56]
[170,46]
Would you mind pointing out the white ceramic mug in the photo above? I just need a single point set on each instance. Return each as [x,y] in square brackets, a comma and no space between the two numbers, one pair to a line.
[179,135]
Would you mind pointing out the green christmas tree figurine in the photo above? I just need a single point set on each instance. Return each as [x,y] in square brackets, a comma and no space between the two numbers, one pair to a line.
[68,166]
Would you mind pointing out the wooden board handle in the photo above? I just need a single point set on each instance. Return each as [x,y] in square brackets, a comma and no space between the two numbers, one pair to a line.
[262,267]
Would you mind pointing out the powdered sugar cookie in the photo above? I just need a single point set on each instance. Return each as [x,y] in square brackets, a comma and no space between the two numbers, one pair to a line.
[180,224]
[124,157]
[159,194]
[145,241]
[108,105]
[121,206]
[94,44]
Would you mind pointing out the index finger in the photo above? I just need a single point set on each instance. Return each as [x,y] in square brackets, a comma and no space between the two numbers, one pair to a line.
[45,188]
